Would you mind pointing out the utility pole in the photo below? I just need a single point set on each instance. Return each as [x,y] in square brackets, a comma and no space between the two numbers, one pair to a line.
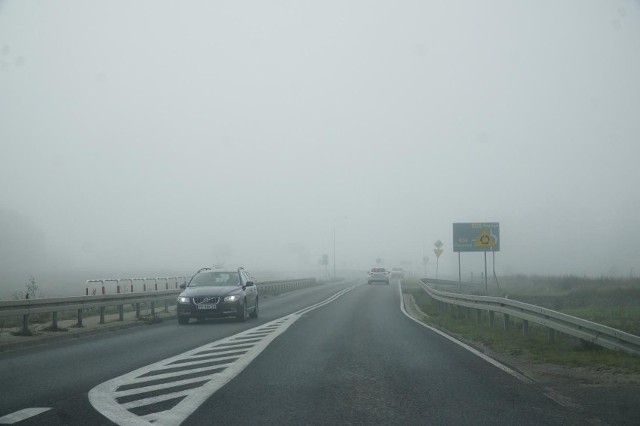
[334,244]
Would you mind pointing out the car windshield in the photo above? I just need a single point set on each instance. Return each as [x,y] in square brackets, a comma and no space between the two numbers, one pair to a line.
[215,279]
[377,270]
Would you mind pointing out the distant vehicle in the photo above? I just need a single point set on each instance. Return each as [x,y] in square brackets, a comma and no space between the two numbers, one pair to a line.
[397,273]
[378,274]
[215,293]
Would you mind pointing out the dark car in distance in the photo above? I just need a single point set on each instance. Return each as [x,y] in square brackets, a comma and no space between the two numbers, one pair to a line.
[217,293]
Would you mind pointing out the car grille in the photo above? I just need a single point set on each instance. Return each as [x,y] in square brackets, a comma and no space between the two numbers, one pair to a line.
[206,300]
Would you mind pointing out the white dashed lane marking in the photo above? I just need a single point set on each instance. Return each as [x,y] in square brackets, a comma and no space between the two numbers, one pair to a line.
[167,392]
[21,415]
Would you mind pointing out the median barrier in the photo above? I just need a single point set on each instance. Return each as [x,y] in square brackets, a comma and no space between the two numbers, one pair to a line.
[24,308]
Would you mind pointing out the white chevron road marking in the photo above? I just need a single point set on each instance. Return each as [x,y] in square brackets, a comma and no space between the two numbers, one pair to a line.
[167,392]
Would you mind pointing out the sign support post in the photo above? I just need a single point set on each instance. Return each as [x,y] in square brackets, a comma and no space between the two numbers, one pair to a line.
[486,289]
[459,271]
[438,252]
[477,237]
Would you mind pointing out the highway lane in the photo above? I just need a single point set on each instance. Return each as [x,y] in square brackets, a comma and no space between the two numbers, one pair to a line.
[359,360]
[60,374]
[356,360]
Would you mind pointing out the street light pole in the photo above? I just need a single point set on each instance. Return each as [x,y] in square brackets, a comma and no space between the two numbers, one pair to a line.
[334,249]
[334,244]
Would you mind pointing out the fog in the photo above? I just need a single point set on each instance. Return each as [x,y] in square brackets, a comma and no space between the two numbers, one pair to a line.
[161,136]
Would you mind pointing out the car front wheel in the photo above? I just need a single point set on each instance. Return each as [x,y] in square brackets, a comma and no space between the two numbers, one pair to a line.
[242,312]
[254,314]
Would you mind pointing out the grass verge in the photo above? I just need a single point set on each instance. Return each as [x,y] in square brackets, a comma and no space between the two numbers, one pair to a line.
[534,347]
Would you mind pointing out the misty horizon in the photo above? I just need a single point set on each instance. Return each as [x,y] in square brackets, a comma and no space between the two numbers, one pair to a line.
[165,137]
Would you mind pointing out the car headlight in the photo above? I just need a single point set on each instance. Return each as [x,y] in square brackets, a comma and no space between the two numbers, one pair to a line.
[183,299]
[233,298]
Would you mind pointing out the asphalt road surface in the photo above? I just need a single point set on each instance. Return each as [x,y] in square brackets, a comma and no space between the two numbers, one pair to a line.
[335,354]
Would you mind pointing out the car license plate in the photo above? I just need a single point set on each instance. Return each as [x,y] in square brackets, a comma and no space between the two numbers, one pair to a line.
[207,306]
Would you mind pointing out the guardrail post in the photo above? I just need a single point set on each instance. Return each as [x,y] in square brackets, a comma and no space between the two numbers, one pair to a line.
[153,309]
[79,324]
[551,320]
[137,310]
[144,286]
[101,314]
[54,320]
[166,306]
[25,324]
[121,313]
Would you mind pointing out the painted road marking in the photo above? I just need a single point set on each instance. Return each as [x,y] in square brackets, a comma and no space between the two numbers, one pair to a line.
[21,415]
[549,393]
[167,392]
[474,351]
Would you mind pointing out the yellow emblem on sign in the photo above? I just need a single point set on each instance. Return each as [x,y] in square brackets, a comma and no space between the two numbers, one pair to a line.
[485,239]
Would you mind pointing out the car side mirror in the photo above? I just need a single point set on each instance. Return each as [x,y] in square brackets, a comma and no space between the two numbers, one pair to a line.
[249,284]
[183,286]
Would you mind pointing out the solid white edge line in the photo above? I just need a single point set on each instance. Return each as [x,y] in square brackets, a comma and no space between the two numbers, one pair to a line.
[471,349]
[21,415]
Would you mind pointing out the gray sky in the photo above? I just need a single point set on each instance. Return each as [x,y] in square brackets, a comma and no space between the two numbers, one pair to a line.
[173,134]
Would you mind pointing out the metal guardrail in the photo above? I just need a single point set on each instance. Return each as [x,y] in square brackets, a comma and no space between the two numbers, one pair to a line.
[26,307]
[276,287]
[554,321]
[120,288]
